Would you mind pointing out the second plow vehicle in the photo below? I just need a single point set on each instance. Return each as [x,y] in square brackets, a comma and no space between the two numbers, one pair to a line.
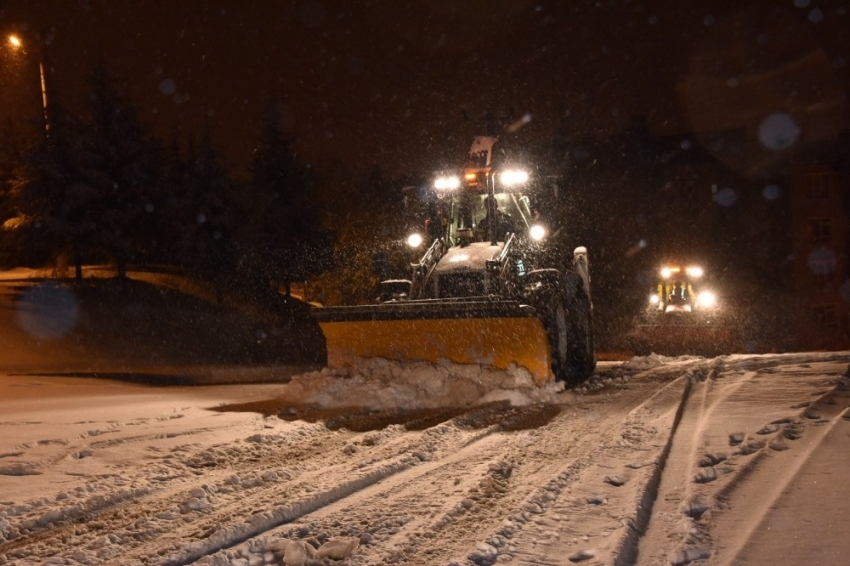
[683,315]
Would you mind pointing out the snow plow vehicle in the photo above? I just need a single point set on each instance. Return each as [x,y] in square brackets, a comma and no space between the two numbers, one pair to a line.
[488,290]
[682,316]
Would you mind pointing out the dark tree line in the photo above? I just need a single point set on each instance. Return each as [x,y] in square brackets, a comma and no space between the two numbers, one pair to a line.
[98,187]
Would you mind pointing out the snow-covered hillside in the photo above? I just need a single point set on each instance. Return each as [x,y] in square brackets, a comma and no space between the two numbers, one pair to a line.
[738,459]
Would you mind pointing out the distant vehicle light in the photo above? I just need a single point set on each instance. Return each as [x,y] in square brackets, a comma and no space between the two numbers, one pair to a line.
[414,240]
[449,183]
[537,232]
[666,272]
[654,299]
[513,177]
[694,271]
[707,299]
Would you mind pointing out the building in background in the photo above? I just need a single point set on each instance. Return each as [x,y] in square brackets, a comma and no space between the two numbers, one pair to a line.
[820,217]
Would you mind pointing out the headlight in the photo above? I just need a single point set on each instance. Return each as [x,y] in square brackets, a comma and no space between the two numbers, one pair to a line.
[513,177]
[654,299]
[694,271]
[707,299]
[666,272]
[414,240]
[537,232]
[448,183]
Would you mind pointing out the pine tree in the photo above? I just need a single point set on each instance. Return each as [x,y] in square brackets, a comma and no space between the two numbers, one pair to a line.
[283,226]
[204,214]
[12,155]
[53,209]
[124,170]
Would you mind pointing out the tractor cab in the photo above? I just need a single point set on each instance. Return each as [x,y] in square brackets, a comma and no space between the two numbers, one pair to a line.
[466,202]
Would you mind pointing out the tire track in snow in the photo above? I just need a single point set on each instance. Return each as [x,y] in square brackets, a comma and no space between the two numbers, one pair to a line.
[749,520]
[411,518]
[156,495]
[553,522]
[406,498]
[674,485]
[696,485]
[239,529]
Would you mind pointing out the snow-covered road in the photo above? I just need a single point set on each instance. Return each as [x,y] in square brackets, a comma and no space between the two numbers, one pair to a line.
[730,460]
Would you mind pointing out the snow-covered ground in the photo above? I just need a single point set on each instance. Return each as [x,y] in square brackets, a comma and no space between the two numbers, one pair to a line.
[732,460]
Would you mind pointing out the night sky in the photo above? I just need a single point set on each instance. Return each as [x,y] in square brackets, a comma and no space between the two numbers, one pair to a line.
[396,83]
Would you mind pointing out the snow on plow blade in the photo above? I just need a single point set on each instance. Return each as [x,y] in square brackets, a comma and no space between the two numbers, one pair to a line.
[487,332]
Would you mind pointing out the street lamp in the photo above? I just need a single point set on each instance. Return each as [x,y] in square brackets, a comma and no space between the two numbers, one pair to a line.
[16,43]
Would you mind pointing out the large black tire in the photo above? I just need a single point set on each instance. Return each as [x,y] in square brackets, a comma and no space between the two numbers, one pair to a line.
[565,311]
[557,327]
[570,331]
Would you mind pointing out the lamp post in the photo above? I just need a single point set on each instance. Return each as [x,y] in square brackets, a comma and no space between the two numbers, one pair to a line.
[17,44]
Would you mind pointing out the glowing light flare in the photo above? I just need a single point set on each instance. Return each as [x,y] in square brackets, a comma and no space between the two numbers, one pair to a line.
[707,299]
[537,232]
[666,272]
[447,183]
[694,271]
[414,240]
[654,299]
[15,41]
[513,177]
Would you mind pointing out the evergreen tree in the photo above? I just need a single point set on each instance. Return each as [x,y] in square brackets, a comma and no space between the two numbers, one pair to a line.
[12,154]
[204,213]
[124,170]
[53,209]
[283,225]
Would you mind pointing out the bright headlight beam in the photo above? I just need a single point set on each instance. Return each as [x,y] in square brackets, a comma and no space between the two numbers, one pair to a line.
[537,232]
[707,299]
[447,183]
[414,240]
[694,271]
[513,177]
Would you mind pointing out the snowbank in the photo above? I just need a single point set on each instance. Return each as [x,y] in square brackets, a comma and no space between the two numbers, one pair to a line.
[380,384]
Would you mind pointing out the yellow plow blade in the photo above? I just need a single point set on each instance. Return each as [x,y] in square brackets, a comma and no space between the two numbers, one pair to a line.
[485,333]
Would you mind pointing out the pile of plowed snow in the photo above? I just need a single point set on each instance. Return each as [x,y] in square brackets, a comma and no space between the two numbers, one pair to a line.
[380,384]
